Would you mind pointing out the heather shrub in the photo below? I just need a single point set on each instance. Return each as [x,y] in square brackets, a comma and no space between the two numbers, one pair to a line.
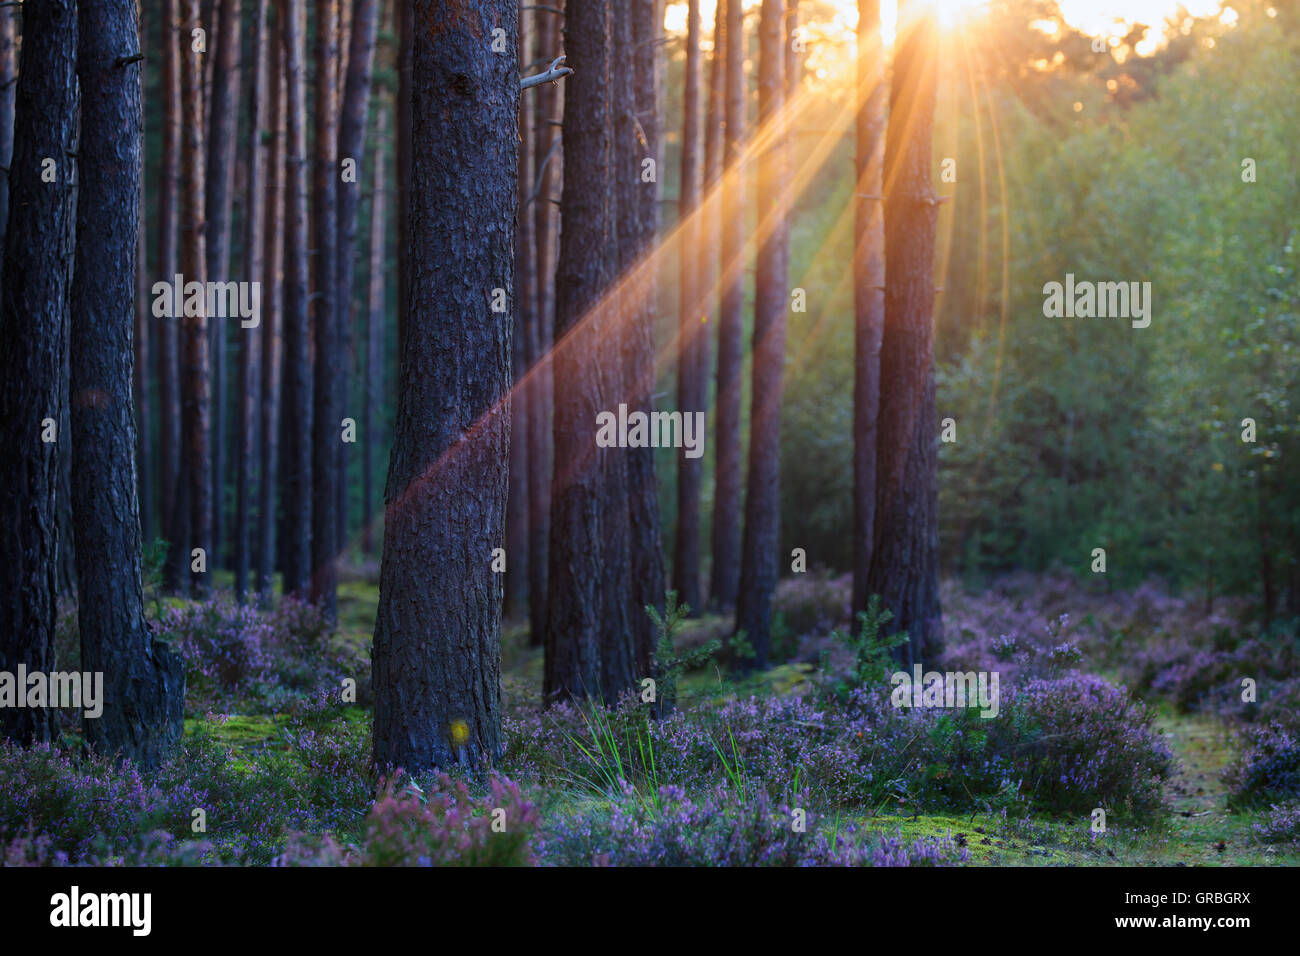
[448,826]
[1267,768]
[71,808]
[1281,825]
[1078,742]
[721,828]
[269,660]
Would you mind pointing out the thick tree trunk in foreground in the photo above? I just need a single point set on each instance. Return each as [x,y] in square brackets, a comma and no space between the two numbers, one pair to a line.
[144,681]
[868,288]
[195,371]
[327,433]
[691,332]
[34,350]
[589,647]
[905,562]
[759,560]
[725,572]
[437,632]
[296,405]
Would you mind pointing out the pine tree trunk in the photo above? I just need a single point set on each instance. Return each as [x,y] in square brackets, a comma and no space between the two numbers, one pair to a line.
[34,350]
[905,560]
[376,307]
[868,288]
[250,339]
[8,86]
[546,165]
[166,335]
[195,367]
[437,632]
[762,540]
[405,12]
[638,220]
[523,300]
[139,381]
[329,369]
[725,571]
[361,26]
[272,310]
[589,647]
[222,116]
[144,681]
[690,331]
[296,405]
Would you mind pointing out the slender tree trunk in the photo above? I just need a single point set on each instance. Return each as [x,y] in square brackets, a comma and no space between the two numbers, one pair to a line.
[297,407]
[437,632]
[547,161]
[905,559]
[725,571]
[195,368]
[524,302]
[762,540]
[638,221]
[273,309]
[8,87]
[376,307]
[250,339]
[34,350]
[139,380]
[362,24]
[325,328]
[222,117]
[175,524]
[590,651]
[868,288]
[690,331]
[405,38]
[144,691]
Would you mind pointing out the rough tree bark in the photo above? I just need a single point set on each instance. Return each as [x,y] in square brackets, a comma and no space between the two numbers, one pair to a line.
[329,370]
[905,560]
[725,570]
[250,340]
[144,681]
[690,330]
[296,381]
[588,640]
[759,557]
[195,366]
[868,288]
[437,632]
[34,349]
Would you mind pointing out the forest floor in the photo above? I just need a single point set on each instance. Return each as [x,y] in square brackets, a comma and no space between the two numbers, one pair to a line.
[1199,829]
